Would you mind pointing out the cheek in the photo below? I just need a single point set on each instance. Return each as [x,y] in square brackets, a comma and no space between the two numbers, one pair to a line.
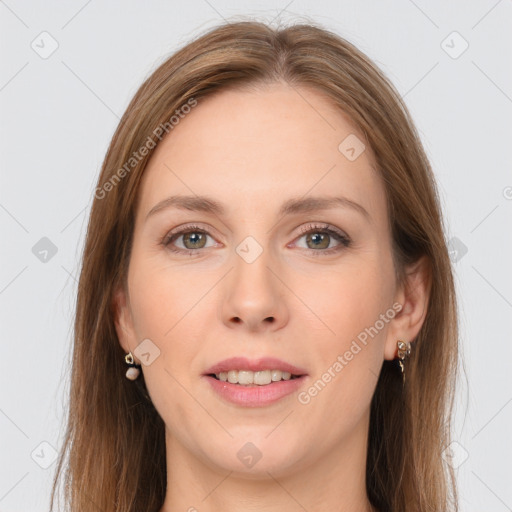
[173,311]
[356,310]
[150,301]
[344,302]
[161,298]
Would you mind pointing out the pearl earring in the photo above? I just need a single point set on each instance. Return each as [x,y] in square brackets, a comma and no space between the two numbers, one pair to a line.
[134,371]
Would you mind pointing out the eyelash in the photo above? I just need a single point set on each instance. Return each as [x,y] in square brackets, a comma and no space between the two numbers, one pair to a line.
[343,240]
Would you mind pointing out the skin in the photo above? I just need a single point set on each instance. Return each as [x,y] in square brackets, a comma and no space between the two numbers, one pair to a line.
[251,151]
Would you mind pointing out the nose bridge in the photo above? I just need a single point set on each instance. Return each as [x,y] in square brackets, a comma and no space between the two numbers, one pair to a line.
[253,294]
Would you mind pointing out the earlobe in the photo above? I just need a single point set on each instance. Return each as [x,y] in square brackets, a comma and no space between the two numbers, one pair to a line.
[123,319]
[413,297]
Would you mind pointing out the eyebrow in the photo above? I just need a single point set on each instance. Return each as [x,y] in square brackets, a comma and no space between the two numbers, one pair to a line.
[291,206]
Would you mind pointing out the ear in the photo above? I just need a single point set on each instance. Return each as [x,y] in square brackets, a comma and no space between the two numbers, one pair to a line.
[123,319]
[413,296]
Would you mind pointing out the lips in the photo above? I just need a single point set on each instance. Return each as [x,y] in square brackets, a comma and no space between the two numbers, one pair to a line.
[254,365]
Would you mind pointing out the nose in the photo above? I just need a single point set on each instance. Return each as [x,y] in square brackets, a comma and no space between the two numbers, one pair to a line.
[254,296]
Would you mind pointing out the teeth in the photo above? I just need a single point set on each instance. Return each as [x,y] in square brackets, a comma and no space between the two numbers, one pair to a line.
[247,378]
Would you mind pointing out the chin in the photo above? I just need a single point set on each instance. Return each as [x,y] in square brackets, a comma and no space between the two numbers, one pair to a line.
[254,459]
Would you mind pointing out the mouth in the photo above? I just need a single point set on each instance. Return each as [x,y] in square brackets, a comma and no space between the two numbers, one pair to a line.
[254,383]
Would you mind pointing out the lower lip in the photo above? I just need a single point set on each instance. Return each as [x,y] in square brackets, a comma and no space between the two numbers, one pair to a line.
[255,396]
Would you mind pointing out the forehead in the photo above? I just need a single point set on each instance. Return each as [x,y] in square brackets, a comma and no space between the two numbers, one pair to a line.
[254,149]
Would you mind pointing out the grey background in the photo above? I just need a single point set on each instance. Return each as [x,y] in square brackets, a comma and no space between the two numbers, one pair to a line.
[59,111]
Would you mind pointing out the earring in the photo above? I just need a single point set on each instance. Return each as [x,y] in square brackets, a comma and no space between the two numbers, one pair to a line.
[134,371]
[404,351]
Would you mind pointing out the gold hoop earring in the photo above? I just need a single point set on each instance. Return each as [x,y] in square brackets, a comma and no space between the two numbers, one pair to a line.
[404,351]
[134,369]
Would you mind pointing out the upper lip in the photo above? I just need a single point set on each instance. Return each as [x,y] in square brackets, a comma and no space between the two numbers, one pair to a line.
[254,365]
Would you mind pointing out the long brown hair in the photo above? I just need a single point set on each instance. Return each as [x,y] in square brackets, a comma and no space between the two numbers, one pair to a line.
[115,440]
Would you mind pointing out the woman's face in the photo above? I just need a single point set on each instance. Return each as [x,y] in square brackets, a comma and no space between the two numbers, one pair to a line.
[255,258]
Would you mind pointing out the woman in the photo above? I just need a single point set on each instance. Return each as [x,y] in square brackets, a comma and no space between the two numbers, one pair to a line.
[265,262]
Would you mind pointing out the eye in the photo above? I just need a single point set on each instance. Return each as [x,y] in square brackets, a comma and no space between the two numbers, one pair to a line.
[319,238]
[193,238]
